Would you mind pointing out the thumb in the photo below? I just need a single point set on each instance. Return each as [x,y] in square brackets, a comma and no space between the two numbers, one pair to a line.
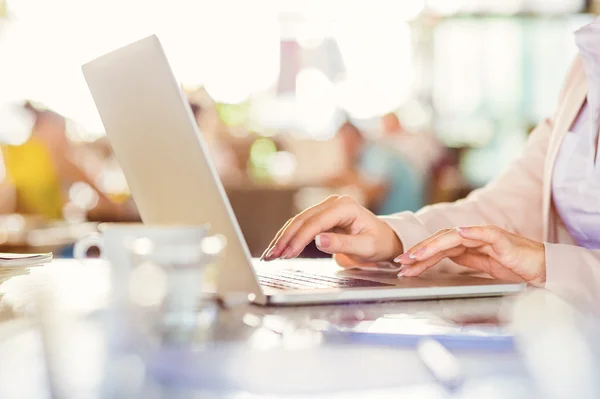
[362,246]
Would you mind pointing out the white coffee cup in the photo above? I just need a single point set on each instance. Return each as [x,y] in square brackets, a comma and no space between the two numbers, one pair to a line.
[115,240]
[122,246]
[118,243]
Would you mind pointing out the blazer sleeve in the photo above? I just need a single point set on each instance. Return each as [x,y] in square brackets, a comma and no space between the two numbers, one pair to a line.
[512,201]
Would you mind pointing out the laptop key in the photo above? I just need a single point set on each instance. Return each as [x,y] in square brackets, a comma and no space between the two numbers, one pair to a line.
[293,279]
[305,281]
[335,280]
[293,282]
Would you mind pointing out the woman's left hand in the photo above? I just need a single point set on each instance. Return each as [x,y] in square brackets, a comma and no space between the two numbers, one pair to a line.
[489,249]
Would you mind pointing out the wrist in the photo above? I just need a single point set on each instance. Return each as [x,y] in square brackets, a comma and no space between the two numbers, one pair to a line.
[540,278]
[543,264]
[394,246]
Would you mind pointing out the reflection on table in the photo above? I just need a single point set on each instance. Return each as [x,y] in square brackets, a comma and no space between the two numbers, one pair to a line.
[273,352]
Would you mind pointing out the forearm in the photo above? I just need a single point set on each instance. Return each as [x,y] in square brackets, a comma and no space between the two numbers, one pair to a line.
[513,201]
[109,211]
[8,198]
[104,209]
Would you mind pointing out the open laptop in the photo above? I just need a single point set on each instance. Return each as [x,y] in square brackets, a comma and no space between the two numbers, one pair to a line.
[173,181]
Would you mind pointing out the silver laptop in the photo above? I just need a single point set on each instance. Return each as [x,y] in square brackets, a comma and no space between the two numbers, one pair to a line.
[173,181]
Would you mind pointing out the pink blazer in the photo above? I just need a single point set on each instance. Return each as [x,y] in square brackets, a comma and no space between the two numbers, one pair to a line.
[520,200]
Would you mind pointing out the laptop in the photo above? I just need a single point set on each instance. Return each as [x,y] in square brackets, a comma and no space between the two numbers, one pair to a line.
[173,181]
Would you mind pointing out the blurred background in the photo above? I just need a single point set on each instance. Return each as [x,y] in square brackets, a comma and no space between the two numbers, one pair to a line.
[399,103]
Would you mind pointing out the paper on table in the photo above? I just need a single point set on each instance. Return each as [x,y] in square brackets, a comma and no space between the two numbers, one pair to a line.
[411,329]
[24,260]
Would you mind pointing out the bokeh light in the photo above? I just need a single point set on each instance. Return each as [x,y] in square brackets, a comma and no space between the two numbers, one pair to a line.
[148,285]
[83,195]
[282,166]
[206,47]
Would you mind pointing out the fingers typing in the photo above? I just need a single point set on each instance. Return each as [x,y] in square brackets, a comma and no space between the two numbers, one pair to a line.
[339,214]
[440,242]
[419,267]
[362,246]
[276,248]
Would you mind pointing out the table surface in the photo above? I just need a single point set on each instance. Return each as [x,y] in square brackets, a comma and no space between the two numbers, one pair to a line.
[262,351]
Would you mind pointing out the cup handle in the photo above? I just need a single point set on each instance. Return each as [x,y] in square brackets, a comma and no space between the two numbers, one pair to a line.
[83,245]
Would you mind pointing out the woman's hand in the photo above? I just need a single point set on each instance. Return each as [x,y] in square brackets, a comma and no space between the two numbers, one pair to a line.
[489,249]
[339,225]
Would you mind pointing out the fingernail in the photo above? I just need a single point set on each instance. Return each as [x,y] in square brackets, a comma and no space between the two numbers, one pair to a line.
[286,253]
[264,254]
[416,254]
[401,274]
[407,272]
[400,258]
[458,229]
[270,253]
[322,241]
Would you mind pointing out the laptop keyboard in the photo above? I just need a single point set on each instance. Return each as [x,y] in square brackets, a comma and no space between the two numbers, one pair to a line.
[299,280]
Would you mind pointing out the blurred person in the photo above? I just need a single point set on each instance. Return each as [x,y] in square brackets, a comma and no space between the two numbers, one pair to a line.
[102,148]
[354,146]
[538,222]
[423,150]
[223,156]
[8,197]
[386,181]
[41,171]
[426,153]
[406,185]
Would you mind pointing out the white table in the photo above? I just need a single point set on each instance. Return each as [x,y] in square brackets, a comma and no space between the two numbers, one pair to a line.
[268,362]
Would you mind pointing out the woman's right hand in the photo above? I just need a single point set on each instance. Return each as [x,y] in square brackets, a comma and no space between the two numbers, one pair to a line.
[339,226]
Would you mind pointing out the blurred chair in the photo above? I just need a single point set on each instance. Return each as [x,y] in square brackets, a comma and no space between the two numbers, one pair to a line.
[316,160]
[261,211]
